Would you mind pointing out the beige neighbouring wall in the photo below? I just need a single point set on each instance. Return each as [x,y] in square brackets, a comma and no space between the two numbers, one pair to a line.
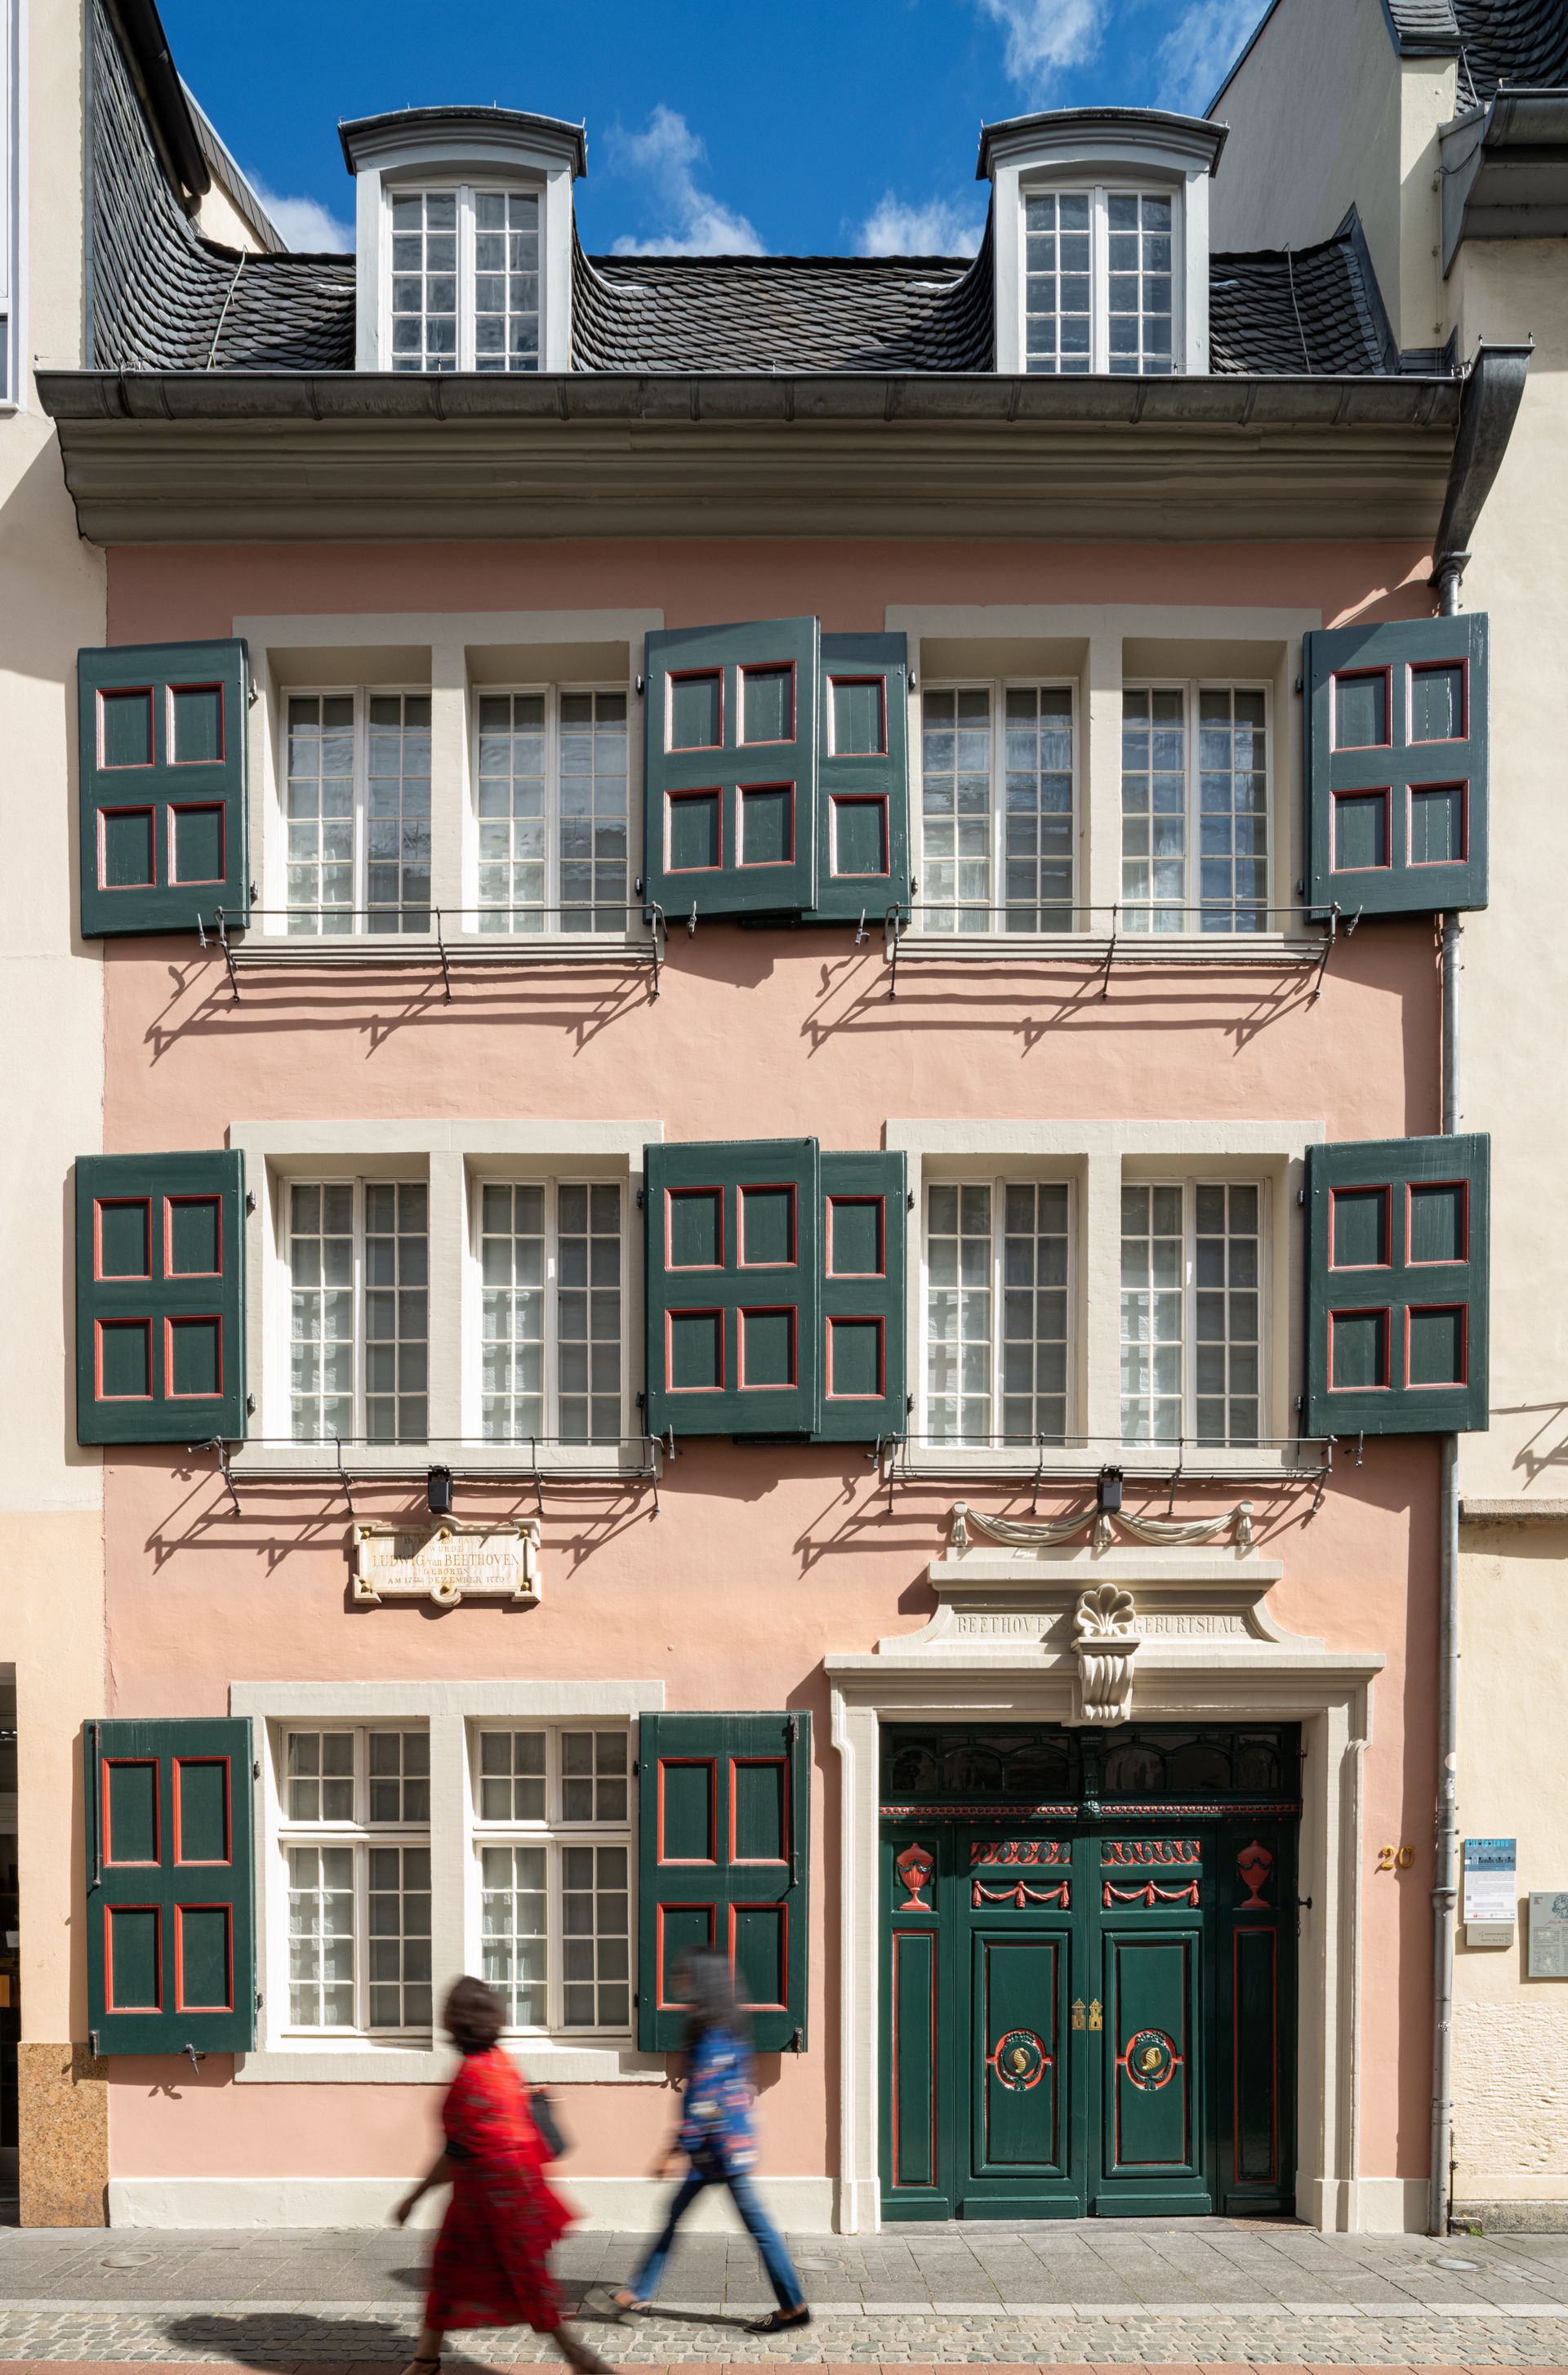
[51,601]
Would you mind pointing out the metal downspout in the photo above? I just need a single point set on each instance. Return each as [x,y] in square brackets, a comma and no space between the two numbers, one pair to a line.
[1445,1893]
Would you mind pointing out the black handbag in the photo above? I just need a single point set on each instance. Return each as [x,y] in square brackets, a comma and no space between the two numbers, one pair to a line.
[542,2105]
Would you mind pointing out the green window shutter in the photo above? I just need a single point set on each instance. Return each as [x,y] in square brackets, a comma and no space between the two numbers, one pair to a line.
[1395,773]
[170,1925]
[1398,1257]
[725,1825]
[865,1232]
[731,782]
[862,796]
[733,1256]
[160,1266]
[161,766]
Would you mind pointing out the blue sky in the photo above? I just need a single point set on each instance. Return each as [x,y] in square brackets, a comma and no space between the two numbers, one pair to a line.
[830,126]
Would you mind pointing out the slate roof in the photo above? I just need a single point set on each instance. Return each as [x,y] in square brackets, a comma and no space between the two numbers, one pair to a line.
[1518,42]
[165,299]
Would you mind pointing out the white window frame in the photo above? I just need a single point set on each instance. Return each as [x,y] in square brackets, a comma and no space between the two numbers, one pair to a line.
[451,1710]
[554,1833]
[1189,1181]
[1191,689]
[361,695]
[1099,190]
[357,1181]
[453,1157]
[492,1176]
[1098,1157]
[550,924]
[466,188]
[359,1837]
[998,689]
[998,1183]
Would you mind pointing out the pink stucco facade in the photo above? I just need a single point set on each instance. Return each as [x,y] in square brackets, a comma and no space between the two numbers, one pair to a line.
[761,1562]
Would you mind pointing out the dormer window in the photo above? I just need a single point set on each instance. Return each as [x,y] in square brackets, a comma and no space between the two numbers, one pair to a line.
[464,239]
[1101,220]
[1098,281]
[465,279]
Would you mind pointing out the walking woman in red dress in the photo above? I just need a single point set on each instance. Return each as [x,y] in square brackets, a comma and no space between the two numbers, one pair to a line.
[490,2266]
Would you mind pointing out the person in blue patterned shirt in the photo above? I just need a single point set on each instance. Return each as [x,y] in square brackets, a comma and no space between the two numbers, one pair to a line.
[716,2135]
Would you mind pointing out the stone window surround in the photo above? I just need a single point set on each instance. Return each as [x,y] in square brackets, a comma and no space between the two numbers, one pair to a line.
[1094,1156]
[459,655]
[451,1710]
[1097,648]
[456,1157]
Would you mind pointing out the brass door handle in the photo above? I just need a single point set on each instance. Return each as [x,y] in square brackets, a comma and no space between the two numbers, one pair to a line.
[1096,2017]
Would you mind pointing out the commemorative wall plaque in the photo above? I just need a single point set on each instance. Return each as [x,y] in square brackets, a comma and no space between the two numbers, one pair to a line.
[446,1563]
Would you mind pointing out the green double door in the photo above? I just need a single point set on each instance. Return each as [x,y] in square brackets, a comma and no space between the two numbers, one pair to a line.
[1087,2015]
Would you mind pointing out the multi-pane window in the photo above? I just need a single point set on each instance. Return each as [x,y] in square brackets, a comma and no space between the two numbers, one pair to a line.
[358,812]
[996,1310]
[464,292]
[997,808]
[359,1901]
[555,1904]
[551,1317]
[1195,808]
[1192,1324]
[1099,281]
[552,797]
[359,1264]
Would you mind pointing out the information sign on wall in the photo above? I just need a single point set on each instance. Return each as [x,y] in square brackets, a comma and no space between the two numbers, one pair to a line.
[1490,1871]
[1549,1934]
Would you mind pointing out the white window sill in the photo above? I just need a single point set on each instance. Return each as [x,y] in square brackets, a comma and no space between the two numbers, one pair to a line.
[1241,1462]
[363,1463]
[322,2062]
[1130,947]
[253,947]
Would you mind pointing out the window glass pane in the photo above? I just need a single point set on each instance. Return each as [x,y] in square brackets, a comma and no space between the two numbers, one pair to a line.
[1227,1350]
[512,1776]
[513,893]
[1154,810]
[1139,281]
[1057,282]
[514,1924]
[1037,809]
[1232,811]
[958,1316]
[1034,1311]
[956,809]
[321,1937]
[319,821]
[1154,1314]
[595,1943]
[506,281]
[592,812]
[397,1937]
[396,1272]
[593,1777]
[424,281]
[397,812]
[319,1777]
[588,1306]
[322,1347]
[399,1776]
[512,1255]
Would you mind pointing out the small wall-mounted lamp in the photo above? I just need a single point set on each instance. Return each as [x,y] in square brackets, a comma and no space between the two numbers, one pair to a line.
[1108,1492]
[438,1491]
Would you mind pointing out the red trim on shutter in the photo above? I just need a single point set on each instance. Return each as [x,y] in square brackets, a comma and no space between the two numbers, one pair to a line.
[168,1268]
[99,1327]
[1460,784]
[858,1319]
[1439,1384]
[1370,1188]
[671,1905]
[760,865]
[713,792]
[880,682]
[1368,1311]
[207,684]
[1443,1261]
[119,1203]
[128,2012]
[780,1911]
[697,1311]
[1460,660]
[132,1864]
[1362,676]
[185,1320]
[765,668]
[837,800]
[177,1767]
[670,1195]
[766,1188]
[693,676]
[123,693]
[181,2002]
[779,1765]
[138,810]
[711,1857]
[199,807]
[1384,792]
[768,1311]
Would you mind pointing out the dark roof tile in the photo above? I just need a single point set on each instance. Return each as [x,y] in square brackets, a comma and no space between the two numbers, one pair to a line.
[1314,310]
[1519,41]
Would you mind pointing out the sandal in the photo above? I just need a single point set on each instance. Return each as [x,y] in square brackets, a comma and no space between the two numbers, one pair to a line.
[630,2305]
[780,2321]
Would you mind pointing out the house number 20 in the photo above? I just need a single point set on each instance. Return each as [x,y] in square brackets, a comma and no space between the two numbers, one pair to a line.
[1395,1859]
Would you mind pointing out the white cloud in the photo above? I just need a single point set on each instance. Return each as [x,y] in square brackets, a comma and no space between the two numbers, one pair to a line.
[697,223]
[1195,54]
[309,228]
[940,227]
[1044,36]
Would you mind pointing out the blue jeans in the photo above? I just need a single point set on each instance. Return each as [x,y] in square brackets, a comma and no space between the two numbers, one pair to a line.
[759,2226]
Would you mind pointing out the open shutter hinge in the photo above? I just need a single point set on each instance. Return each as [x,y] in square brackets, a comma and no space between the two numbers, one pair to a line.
[255,1768]
[250,1199]
[641,1198]
[92,2043]
[1301,1194]
[797,2042]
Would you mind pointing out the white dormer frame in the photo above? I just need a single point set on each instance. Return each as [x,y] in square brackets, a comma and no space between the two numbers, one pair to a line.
[410,155]
[1082,149]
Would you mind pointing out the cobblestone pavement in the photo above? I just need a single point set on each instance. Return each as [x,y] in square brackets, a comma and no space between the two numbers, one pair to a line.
[1224,2293]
